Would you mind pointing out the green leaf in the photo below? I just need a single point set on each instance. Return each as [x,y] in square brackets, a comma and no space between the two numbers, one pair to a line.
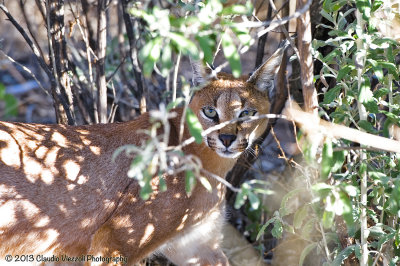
[324,12]
[166,62]
[338,160]
[347,209]
[376,4]
[327,219]
[365,93]
[254,200]
[383,239]
[364,6]
[381,92]
[242,195]
[156,50]
[148,66]
[194,125]
[262,230]
[2,91]
[277,230]
[344,71]
[163,184]
[363,168]
[327,159]
[299,216]
[332,94]
[204,181]
[185,45]
[146,191]
[284,210]
[231,54]
[306,251]
[343,255]
[11,105]
[366,96]
[389,66]
[236,10]
[190,181]
[367,126]
[335,53]
[175,103]
[207,44]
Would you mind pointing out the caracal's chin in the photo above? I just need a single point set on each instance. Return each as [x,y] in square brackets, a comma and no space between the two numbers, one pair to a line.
[228,154]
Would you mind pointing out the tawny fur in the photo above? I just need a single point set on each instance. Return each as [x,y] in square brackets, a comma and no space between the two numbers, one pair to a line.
[61,194]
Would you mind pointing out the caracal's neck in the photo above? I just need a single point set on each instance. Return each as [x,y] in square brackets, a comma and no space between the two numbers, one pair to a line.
[211,161]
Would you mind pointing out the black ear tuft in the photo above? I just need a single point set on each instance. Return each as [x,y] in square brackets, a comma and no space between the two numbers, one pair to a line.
[199,72]
[263,77]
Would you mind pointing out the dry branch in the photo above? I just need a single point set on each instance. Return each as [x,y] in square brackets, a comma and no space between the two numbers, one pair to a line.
[313,125]
[58,54]
[306,61]
[100,63]
[133,55]
[59,99]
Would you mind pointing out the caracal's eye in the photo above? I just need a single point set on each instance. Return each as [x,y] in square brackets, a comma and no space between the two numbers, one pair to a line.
[247,113]
[210,112]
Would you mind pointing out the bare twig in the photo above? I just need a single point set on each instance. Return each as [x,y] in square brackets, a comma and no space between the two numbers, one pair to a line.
[29,25]
[28,40]
[221,180]
[175,77]
[27,70]
[272,24]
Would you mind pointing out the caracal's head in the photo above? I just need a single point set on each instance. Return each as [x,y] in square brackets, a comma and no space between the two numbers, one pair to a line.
[225,98]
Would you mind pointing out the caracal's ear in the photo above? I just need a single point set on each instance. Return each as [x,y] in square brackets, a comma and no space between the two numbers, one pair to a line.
[263,77]
[200,74]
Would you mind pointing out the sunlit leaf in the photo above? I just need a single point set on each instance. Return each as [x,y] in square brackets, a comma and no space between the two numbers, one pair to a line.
[146,191]
[364,6]
[242,195]
[190,181]
[277,230]
[231,54]
[166,62]
[194,125]
[236,10]
[204,181]
[254,200]
[185,45]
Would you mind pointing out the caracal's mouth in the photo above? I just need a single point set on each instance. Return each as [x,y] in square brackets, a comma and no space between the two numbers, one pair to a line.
[228,154]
